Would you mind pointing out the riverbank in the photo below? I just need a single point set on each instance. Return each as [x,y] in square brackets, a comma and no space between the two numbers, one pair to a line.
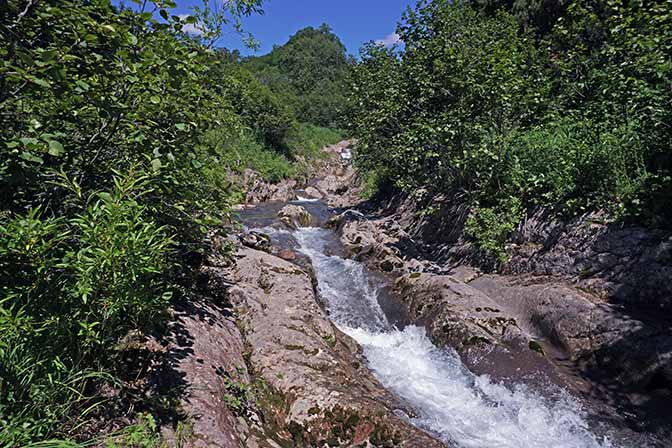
[336,324]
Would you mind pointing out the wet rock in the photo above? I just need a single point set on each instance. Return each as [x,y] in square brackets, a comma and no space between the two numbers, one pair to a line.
[500,317]
[256,240]
[295,216]
[313,193]
[325,395]
[387,265]
[462,317]
[287,254]
[368,242]
[337,222]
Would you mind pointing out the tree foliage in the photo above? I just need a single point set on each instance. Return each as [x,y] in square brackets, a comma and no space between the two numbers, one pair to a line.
[308,72]
[568,110]
[119,132]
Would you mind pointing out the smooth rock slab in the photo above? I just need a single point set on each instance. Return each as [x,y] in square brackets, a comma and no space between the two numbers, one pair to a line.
[327,393]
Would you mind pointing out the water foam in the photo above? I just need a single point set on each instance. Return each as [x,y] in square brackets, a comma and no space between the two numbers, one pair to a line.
[470,410]
[450,401]
[300,198]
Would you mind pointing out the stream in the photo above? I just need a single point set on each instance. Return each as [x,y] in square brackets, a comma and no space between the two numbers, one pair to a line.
[449,401]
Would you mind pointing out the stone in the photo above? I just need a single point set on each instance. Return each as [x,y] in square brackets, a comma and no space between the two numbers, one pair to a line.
[313,193]
[287,254]
[256,240]
[295,216]
[316,370]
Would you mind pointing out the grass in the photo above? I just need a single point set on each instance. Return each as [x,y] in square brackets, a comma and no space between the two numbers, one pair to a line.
[291,161]
[308,139]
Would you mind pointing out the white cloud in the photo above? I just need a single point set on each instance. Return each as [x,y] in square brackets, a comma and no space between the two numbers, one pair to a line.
[389,40]
[191,28]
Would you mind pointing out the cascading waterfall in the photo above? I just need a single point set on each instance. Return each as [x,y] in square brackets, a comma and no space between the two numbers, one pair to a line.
[450,401]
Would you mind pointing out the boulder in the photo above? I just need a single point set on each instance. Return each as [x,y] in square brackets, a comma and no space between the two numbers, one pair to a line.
[256,240]
[295,216]
[459,316]
[313,193]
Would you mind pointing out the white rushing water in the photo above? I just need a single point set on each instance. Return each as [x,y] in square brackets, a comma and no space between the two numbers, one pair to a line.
[450,401]
[300,199]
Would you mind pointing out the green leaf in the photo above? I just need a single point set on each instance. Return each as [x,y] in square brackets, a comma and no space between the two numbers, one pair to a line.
[50,55]
[105,196]
[156,165]
[155,99]
[55,148]
[28,141]
[164,14]
[180,126]
[83,85]
[31,158]
[39,81]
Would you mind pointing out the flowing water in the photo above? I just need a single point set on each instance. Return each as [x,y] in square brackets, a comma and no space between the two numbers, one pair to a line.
[459,407]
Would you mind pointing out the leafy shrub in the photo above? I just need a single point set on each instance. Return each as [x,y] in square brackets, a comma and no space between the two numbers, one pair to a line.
[104,184]
[571,114]
[72,289]
[491,227]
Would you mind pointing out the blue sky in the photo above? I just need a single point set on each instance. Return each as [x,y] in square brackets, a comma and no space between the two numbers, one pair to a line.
[354,21]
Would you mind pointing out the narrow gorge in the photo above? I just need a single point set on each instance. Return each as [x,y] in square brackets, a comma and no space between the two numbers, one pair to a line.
[347,333]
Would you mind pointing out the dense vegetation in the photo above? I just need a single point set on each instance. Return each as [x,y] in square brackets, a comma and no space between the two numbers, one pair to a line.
[309,73]
[119,138]
[516,105]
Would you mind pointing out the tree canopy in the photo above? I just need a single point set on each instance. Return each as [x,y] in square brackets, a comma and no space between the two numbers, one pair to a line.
[309,72]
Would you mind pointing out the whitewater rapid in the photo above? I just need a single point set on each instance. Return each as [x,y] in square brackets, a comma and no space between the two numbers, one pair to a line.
[450,401]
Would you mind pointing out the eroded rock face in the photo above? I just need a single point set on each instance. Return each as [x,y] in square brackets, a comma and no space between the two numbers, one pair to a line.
[295,216]
[328,395]
[629,265]
[258,190]
[487,336]
[501,322]
[380,243]
[205,357]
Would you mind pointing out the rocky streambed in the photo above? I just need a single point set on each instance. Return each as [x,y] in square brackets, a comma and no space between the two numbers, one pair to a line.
[333,327]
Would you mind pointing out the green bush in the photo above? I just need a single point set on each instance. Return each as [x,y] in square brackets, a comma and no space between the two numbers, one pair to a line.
[571,114]
[105,184]
[72,289]
[491,227]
